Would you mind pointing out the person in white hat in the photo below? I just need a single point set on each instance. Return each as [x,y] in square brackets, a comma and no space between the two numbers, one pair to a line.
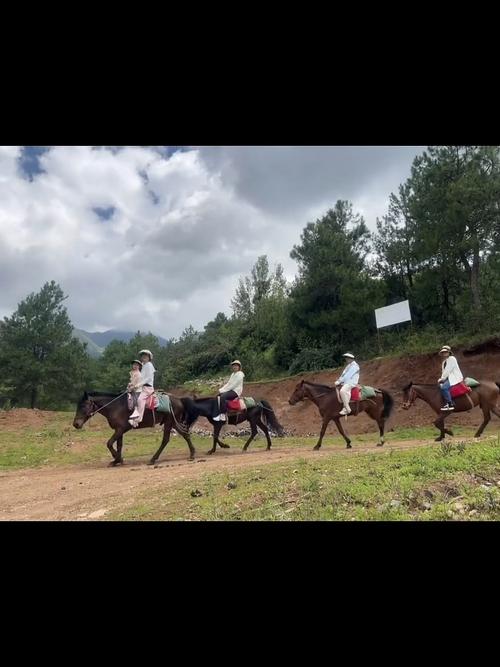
[348,380]
[232,389]
[146,386]
[450,376]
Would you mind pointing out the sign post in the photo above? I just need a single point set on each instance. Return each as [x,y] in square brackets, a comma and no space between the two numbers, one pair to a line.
[385,317]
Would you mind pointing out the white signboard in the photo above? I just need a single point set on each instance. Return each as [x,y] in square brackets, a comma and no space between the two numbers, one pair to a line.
[398,312]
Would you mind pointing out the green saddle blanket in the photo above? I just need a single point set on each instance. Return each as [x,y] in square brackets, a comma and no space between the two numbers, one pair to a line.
[164,404]
[367,392]
[470,382]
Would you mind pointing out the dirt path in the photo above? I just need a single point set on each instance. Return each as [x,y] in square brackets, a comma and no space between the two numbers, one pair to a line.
[90,491]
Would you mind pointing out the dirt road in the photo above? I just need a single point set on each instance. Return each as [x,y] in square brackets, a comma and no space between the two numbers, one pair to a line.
[91,491]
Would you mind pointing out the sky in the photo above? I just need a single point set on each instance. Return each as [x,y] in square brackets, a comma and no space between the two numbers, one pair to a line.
[155,237]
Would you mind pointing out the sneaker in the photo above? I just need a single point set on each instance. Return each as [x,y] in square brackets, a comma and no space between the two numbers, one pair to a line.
[344,412]
[216,419]
[222,417]
[447,407]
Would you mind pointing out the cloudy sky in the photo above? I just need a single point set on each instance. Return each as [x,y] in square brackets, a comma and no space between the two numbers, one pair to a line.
[155,238]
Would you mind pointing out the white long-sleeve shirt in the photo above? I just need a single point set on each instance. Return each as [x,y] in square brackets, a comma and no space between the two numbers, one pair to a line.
[451,371]
[235,383]
[350,374]
[147,375]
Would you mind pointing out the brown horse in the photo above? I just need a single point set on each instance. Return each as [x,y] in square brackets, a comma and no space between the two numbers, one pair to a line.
[486,396]
[115,408]
[329,406]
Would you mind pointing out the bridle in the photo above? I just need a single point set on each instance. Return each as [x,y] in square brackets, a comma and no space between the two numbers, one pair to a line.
[412,397]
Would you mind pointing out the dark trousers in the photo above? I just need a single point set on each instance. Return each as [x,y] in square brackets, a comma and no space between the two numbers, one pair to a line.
[224,397]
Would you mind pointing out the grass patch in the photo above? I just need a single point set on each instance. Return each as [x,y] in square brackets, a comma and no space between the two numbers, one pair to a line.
[459,482]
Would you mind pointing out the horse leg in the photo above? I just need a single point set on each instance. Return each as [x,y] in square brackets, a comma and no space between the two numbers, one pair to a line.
[116,457]
[264,428]
[322,433]
[192,450]
[253,426]
[439,423]
[167,427]
[217,430]
[119,445]
[380,422]
[487,417]
[222,444]
[343,433]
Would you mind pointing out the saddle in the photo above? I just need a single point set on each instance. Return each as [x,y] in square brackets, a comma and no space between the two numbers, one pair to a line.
[240,404]
[362,392]
[459,389]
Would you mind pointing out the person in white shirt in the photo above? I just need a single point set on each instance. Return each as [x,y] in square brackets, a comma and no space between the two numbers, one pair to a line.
[450,376]
[232,389]
[348,380]
[146,386]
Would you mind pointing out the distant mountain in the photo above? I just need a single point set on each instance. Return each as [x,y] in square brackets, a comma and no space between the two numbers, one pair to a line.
[93,350]
[102,338]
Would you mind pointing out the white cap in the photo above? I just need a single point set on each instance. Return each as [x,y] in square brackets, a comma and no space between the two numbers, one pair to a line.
[348,355]
[146,352]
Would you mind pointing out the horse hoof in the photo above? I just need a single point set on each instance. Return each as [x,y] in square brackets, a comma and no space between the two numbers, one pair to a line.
[224,446]
[438,439]
[151,463]
[348,446]
[315,449]
[380,444]
[210,451]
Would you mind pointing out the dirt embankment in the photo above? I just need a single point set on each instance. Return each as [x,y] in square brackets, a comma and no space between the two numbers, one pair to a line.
[481,362]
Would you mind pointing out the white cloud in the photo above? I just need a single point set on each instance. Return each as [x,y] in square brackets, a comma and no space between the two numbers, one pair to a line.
[183,230]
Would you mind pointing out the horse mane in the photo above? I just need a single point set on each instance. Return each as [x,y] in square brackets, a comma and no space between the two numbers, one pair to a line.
[102,393]
[316,384]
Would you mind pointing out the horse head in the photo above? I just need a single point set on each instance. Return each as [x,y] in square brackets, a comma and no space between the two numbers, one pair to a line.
[84,410]
[298,394]
[409,396]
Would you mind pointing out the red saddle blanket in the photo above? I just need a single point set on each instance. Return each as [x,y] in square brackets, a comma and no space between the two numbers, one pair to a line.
[355,394]
[236,405]
[459,389]
[152,402]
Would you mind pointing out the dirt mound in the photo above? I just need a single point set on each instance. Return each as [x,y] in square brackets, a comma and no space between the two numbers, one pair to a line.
[391,374]
[23,417]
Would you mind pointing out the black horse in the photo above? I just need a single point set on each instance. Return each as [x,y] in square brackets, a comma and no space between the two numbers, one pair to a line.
[115,409]
[261,415]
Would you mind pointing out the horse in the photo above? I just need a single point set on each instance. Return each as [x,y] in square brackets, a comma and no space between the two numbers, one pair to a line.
[486,396]
[261,415]
[329,406]
[115,408]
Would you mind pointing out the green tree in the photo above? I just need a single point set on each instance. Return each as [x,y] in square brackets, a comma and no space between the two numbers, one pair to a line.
[40,359]
[334,294]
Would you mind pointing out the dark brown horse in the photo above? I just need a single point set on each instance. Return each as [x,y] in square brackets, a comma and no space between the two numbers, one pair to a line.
[261,415]
[325,398]
[486,396]
[115,408]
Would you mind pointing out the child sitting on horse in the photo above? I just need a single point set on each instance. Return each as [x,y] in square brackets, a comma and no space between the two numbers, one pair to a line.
[348,380]
[450,376]
[134,386]
[232,389]
[146,386]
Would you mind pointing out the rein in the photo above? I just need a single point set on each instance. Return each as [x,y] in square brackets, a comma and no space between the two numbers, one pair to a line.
[105,405]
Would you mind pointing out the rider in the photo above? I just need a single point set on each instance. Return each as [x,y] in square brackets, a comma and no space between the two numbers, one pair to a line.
[146,387]
[348,380]
[134,386]
[450,376]
[232,389]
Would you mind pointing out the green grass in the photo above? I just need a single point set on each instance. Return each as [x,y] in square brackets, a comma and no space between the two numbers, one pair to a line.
[57,443]
[451,482]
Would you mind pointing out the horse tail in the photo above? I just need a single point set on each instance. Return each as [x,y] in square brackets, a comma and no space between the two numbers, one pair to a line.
[388,403]
[270,418]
